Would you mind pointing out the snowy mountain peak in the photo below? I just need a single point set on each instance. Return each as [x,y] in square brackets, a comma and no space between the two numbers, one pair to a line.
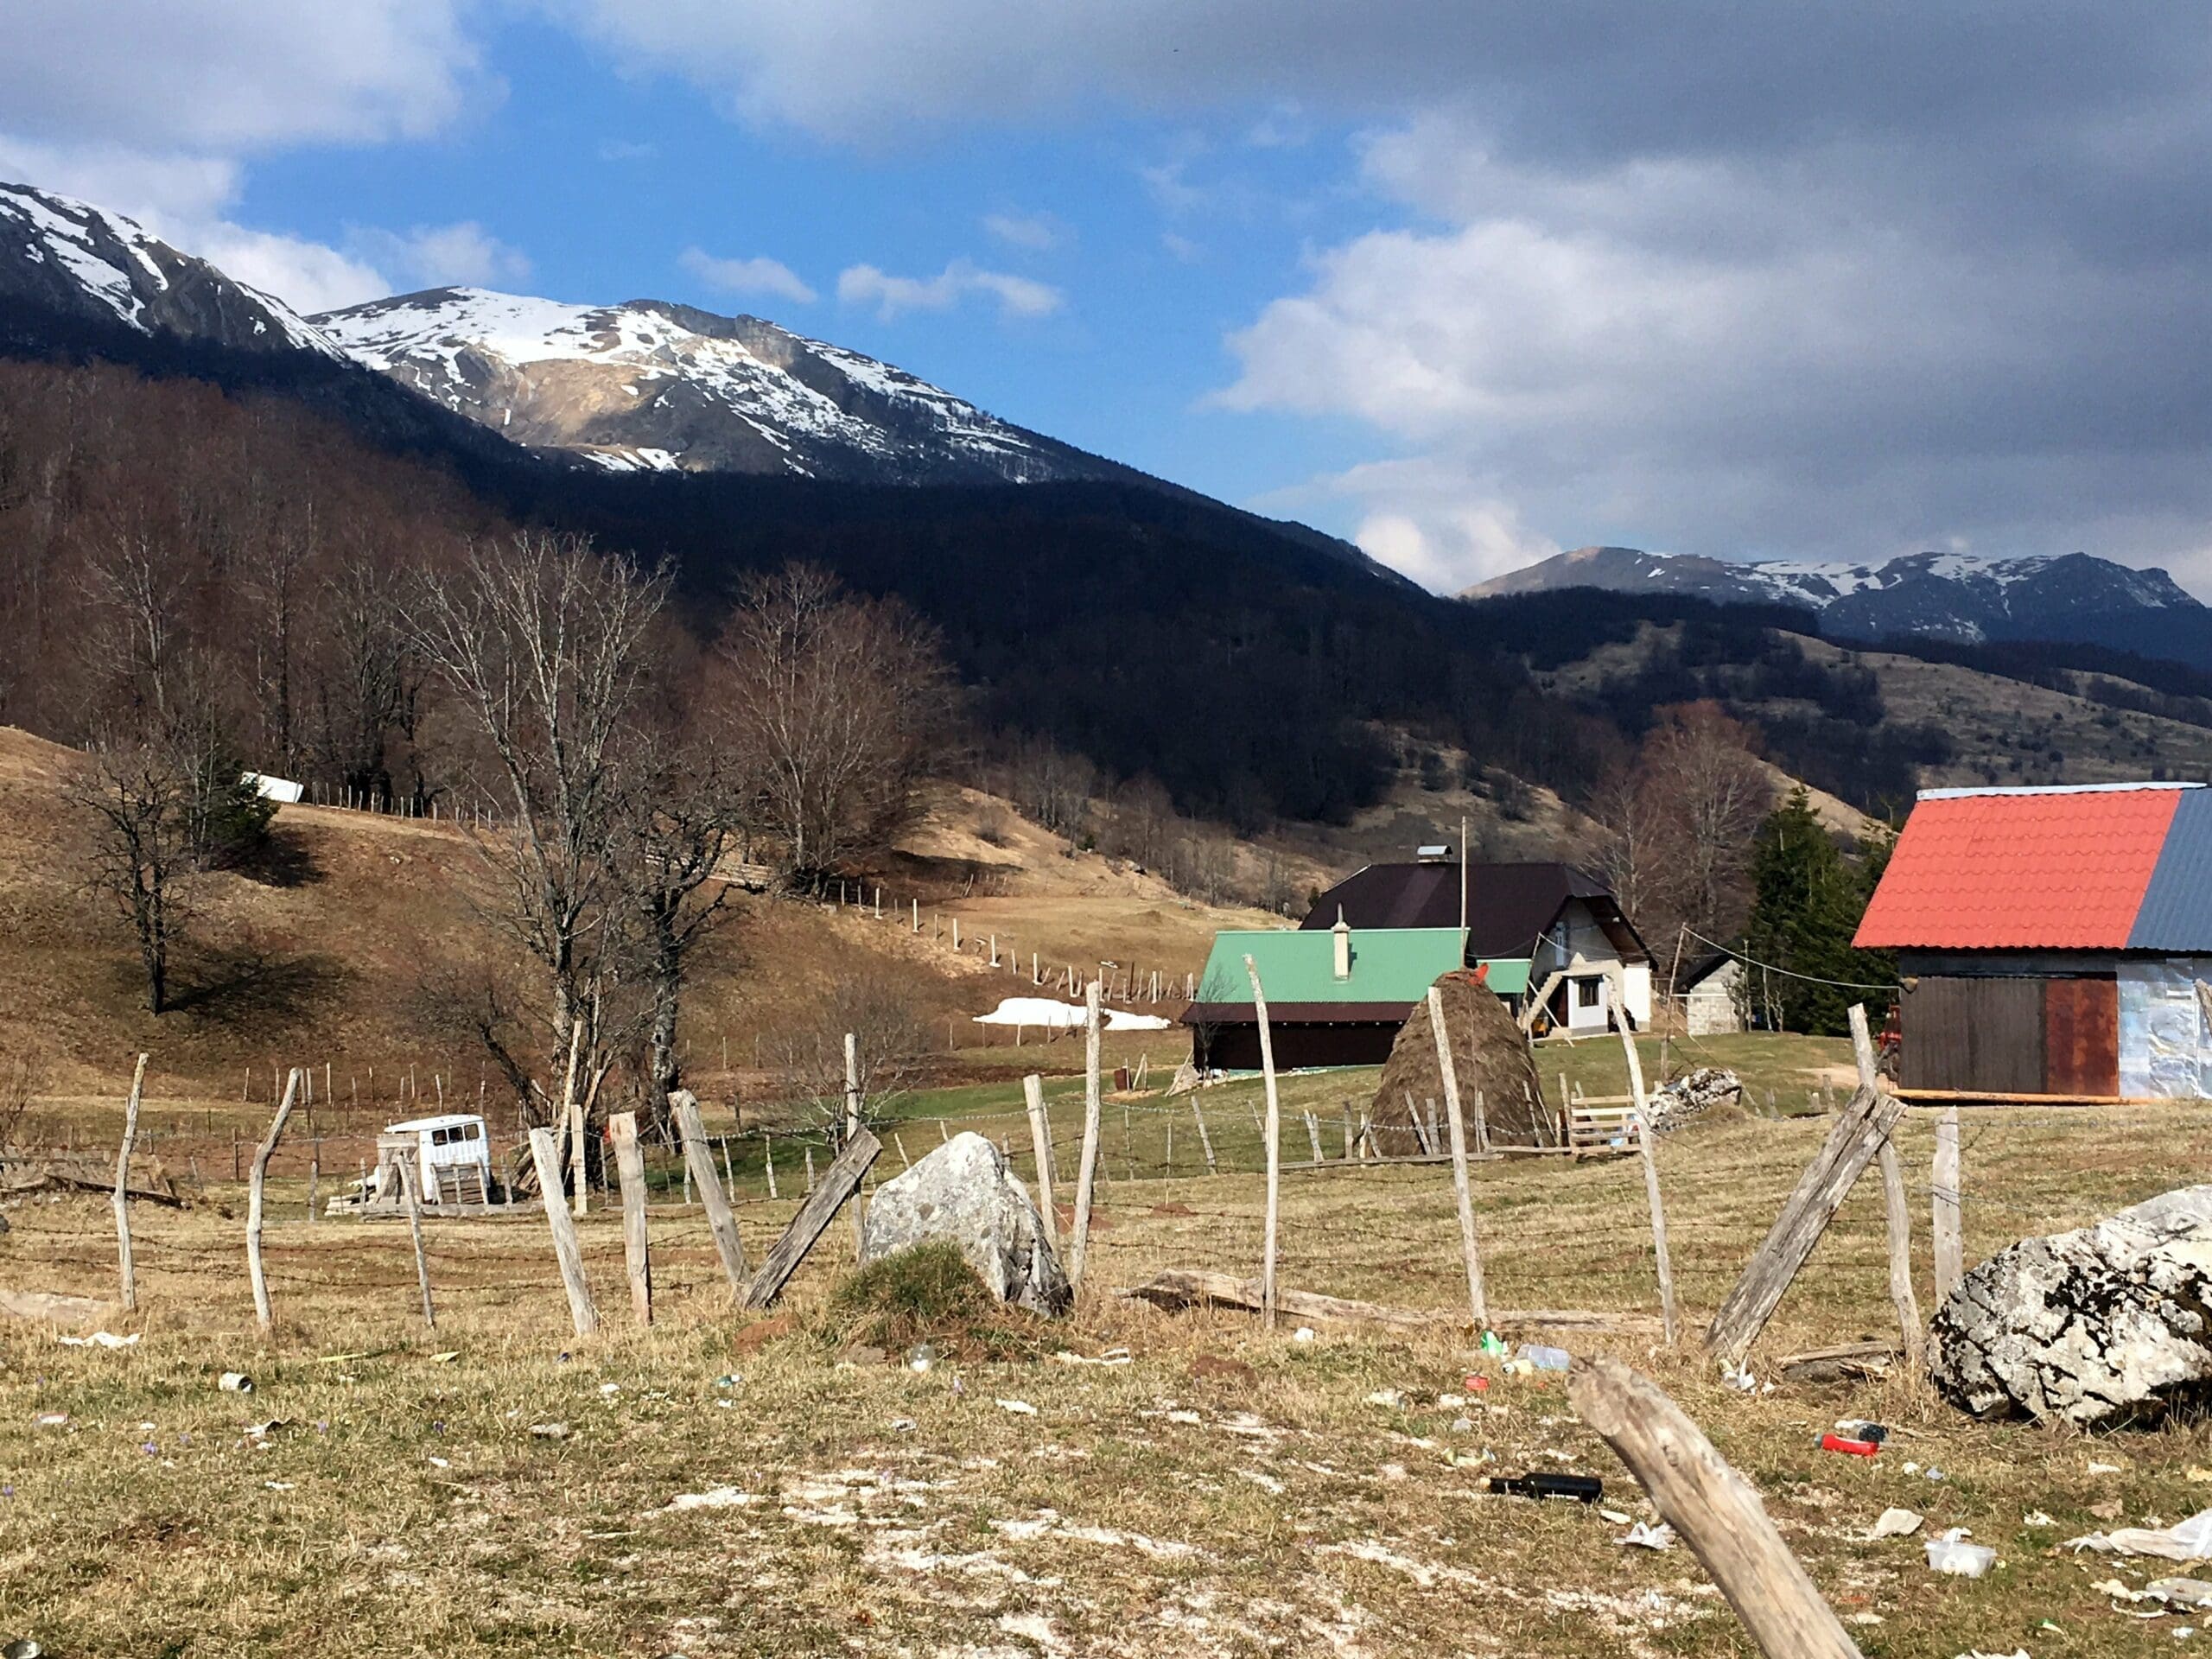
[1957,596]
[648,384]
[77,260]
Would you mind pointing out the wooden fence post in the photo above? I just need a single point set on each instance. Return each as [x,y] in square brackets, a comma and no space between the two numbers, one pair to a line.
[1206,1140]
[545,1153]
[1652,1184]
[699,1159]
[1950,1244]
[126,1268]
[852,1128]
[1313,1135]
[1713,1508]
[572,1115]
[637,1255]
[842,1180]
[253,1202]
[407,1169]
[1273,1135]
[1086,1170]
[1041,1139]
[768,1161]
[1897,1213]
[1471,1253]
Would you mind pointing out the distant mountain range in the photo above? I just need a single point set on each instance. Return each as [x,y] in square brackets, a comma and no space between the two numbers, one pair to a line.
[1919,595]
[647,385]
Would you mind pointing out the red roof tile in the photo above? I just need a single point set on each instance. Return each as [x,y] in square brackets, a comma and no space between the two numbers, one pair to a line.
[2056,870]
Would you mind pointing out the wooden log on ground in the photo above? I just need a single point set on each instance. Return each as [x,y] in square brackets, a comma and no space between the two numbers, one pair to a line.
[699,1159]
[1950,1243]
[1713,1508]
[545,1155]
[1851,1361]
[1896,1213]
[1176,1289]
[839,1182]
[125,1267]
[259,1178]
[1860,1130]
[636,1253]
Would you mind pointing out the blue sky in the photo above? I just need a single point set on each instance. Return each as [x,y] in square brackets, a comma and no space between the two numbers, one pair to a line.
[1467,280]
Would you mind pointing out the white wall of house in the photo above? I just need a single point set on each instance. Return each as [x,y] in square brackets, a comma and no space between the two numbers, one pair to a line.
[1596,974]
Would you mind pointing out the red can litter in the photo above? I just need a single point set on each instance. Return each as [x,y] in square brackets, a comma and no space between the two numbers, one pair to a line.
[1833,1442]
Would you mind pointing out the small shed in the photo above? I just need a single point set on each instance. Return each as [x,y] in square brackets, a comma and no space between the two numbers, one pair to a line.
[449,1155]
[1712,995]
[1335,997]
[2053,941]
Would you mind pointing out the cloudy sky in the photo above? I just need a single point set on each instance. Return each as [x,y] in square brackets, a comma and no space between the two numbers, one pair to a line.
[1469,281]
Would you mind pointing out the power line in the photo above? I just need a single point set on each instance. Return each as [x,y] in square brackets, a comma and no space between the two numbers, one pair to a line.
[1768,967]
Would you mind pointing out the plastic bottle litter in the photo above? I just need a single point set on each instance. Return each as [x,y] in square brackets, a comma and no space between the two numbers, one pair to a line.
[921,1356]
[235,1383]
[1948,1552]
[1492,1344]
[1546,1359]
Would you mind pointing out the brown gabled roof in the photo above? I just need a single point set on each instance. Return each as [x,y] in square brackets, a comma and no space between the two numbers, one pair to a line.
[1509,906]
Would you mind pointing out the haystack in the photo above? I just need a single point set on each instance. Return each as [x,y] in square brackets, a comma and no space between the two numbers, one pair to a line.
[1490,1053]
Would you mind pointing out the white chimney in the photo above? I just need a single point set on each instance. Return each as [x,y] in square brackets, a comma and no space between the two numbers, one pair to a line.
[1342,935]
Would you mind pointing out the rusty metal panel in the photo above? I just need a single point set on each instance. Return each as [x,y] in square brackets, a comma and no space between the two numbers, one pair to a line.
[2081,1036]
[1981,1034]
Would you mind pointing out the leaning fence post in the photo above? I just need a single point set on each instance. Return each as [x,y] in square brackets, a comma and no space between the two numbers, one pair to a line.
[1950,1245]
[545,1153]
[1206,1140]
[852,1128]
[630,1170]
[1477,1298]
[407,1172]
[1652,1184]
[699,1159]
[1896,1210]
[126,1268]
[1086,1170]
[1273,1135]
[1713,1508]
[253,1201]
[1040,1139]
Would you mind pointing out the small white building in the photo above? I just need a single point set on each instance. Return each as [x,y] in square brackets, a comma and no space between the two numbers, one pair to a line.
[451,1154]
[1712,992]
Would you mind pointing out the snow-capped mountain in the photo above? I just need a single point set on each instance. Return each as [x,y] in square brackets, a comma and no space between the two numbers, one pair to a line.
[1932,596]
[68,259]
[652,385]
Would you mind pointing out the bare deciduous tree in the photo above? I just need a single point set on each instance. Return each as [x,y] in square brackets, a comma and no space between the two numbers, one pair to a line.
[139,806]
[838,702]
[891,1037]
[546,645]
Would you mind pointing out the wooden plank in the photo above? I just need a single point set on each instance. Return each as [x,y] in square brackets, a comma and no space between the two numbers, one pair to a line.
[126,1266]
[1651,1187]
[1860,1130]
[2019,1098]
[1462,1190]
[636,1247]
[1273,1138]
[1943,1183]
[545,1156]
[1716,1510]
[839,1182]
[1896,1213]
[1040,1142]
[1086,1169]
[1182,1287]
[259,1179]
[406,1168]
[699,1159]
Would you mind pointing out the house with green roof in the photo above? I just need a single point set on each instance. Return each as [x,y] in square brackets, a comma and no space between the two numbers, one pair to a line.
[1336,996]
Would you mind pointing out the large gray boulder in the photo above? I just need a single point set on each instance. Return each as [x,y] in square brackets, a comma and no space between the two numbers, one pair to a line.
[2111,1323]
[965,1192]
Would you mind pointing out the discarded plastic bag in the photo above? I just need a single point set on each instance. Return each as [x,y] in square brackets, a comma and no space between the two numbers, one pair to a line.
[2182,1592]
[2185,1541]
[100,1339]
[1646,1536]
[1948,1552]
[1897,1523]
[1546,1359]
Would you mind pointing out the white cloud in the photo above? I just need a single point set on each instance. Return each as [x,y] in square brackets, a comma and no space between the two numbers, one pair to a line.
[759,274]
[1446,528]
[464,254]
[232,77]
[1017,296]
[1037,232]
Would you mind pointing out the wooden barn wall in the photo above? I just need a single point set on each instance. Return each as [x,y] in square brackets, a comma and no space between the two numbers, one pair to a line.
[2081,1036]
[1979,1033]
[1236,1048]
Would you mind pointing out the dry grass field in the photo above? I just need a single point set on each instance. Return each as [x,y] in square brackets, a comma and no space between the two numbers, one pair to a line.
[721,1486]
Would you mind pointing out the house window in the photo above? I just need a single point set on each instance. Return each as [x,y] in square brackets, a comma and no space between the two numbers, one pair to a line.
[1589,992]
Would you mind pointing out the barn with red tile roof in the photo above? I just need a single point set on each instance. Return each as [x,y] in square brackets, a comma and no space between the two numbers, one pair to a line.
[2053,941]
